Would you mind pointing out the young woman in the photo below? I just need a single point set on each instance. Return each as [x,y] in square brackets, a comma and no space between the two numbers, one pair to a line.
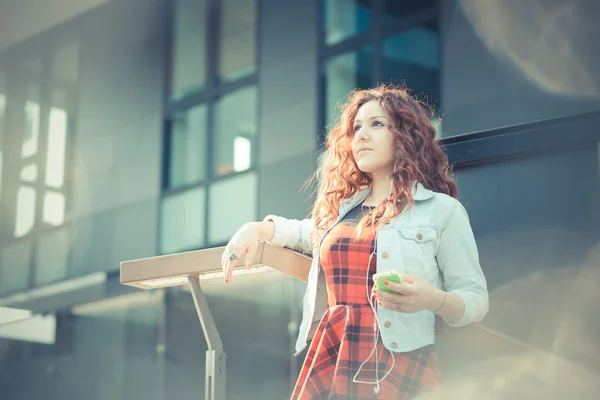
[386,202]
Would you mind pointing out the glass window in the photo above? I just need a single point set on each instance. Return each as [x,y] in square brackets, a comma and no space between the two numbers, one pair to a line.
[345,18]
[189,45]
[235,131]
[413,57]
[14,266]
[2,111]
[182,221]
[29,173]
[25,215]
[187,147]
[344,73]
[395,10]
[232,204]
[54,208]
[52,251]
[57,138]
[32,123]
[237,39]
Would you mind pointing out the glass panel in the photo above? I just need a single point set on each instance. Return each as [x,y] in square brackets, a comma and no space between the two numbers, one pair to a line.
[345,18]
[189,45]
[232,204]
[344,73]
[14,266]
[235,131]
[57,137]
[413,57]
[237,39]
[182,221]
[32,123]
[395,11]
[54,208]
[29,173]
[2,111]
[25,210]
[52,252]
[65,63]
[187,156]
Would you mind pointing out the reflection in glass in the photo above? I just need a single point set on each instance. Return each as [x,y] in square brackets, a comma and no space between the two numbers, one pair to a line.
[413,57]
[15,259]
[345,18]
[29,173]
[32,129]
[187,147]
[182,221]
[57,137]
[395,10]
[25,215]
[232,204]
[236,119]
[344,73]
[189,45]
[242,151]
[54,208]
[237,39]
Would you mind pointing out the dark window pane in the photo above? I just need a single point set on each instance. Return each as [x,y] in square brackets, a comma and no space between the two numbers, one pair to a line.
[187,156]
[344,73]
[395,10]
[189,45]
[345,18]
[237,39]
[228,212]
[182,221]
[235,131]
[413,57]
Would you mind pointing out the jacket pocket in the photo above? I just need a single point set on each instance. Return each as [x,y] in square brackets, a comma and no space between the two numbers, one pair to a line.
[422,240]
[419,248]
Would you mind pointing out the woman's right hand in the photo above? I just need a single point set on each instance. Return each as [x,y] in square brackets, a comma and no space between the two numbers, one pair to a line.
[243,244]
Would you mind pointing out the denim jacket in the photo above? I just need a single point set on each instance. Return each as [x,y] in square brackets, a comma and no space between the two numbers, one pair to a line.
[433,239]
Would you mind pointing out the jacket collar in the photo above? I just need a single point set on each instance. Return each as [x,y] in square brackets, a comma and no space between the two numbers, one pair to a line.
[419,193]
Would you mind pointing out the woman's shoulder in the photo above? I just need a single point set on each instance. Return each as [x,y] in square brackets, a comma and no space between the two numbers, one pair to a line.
[444,207]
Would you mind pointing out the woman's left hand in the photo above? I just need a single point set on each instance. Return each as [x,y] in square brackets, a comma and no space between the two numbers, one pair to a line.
[415,294]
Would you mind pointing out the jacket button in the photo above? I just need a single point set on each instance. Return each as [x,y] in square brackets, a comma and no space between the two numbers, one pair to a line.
[419,236]
[387,324]
[393,345]
[384,255]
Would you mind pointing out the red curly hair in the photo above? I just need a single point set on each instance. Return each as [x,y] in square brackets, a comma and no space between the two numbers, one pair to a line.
[417,153]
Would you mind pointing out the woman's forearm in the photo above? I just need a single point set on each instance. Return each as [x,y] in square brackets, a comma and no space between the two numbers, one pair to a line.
[449,306]
[265,230]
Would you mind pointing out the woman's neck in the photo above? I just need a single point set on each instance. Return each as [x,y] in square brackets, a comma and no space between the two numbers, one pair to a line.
[380,190]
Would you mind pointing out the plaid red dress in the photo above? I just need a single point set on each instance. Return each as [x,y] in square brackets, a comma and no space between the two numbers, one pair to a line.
[345,336]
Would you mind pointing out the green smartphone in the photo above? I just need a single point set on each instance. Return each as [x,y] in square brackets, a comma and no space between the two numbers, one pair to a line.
[391,276]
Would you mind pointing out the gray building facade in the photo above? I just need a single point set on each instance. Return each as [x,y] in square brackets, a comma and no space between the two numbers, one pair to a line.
[147,127]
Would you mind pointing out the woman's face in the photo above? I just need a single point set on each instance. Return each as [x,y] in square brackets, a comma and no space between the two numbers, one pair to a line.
[372,144]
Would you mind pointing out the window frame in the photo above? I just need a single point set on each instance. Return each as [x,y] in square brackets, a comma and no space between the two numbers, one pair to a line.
[17,84]
[374,36]
[208,95]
